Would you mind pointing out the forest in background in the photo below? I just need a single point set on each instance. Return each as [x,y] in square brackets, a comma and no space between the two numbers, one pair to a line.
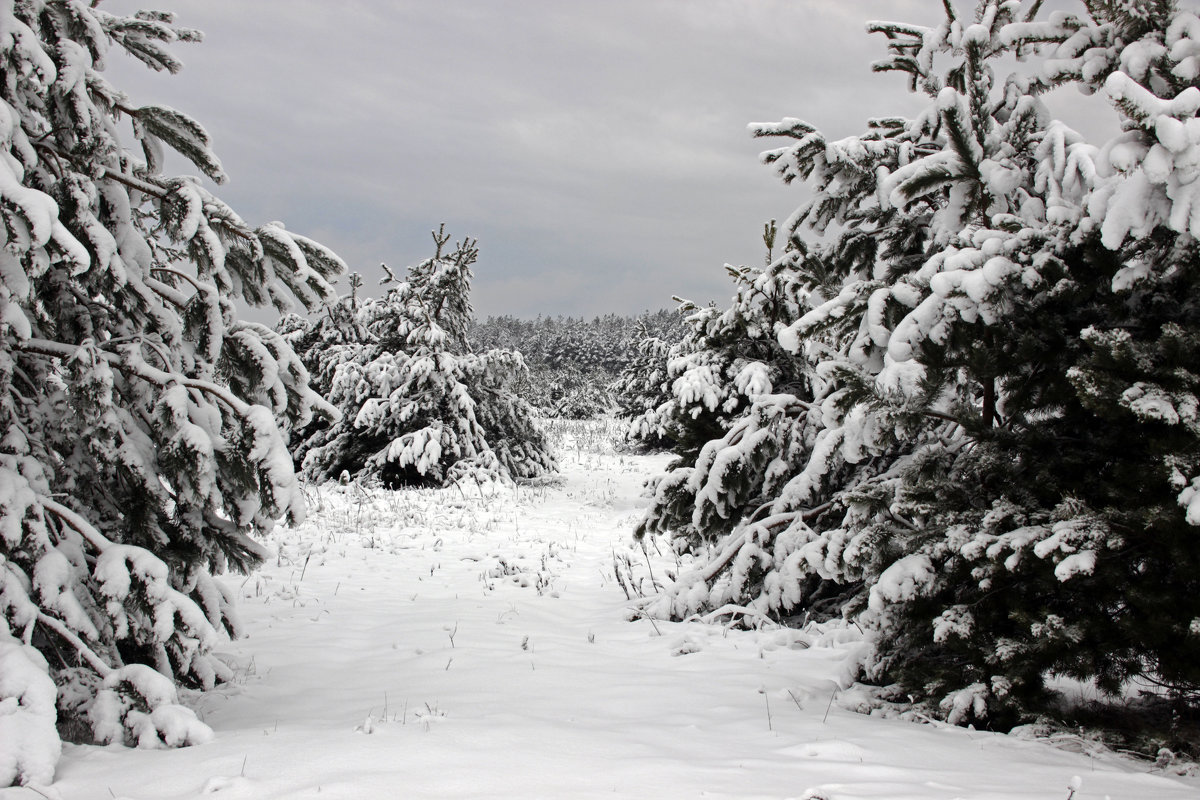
[575,363]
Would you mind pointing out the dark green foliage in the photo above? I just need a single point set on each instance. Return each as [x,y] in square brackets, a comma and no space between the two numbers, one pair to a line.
[1084,453]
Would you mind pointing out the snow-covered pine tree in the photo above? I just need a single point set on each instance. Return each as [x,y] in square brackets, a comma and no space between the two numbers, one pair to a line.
[991,463]
[418,406]
[685,380]
[569,392]
[1062,539]
[725,362]
[643,386]
[140,442]
[793,481]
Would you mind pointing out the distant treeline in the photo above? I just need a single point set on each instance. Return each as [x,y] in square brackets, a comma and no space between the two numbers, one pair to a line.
[573,361]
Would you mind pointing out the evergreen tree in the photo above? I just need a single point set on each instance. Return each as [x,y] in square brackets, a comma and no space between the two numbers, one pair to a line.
[1073,551]
[988,459]
[569,392]
[140,441]
[418,406]
[644,386]
[727,358]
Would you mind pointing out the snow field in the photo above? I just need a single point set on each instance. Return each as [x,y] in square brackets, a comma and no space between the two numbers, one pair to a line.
[446,644]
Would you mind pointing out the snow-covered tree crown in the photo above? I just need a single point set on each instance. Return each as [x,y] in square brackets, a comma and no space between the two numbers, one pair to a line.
[436,295]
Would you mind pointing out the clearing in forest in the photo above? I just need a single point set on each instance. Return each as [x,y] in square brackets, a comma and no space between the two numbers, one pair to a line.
[454,644]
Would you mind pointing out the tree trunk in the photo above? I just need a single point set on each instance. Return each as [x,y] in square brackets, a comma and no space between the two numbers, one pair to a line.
[989,401]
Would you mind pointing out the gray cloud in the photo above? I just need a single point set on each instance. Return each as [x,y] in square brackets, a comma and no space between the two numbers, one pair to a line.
[598,150]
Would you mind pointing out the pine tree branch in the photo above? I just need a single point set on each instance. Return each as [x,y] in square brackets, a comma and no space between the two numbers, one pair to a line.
[168,293]
[152,189]
[731,609]
[81,647]
[906,523]
[198,286]
[77,523]
[940,415]
[133,182]
[816,511]
[727,555]
[138,369]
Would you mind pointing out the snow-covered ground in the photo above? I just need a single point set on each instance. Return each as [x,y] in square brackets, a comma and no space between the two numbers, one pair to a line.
[436,644]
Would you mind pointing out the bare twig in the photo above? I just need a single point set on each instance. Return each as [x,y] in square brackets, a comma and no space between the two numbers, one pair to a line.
[826,717]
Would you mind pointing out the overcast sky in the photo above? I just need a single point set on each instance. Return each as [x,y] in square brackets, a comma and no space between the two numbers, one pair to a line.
[596,148]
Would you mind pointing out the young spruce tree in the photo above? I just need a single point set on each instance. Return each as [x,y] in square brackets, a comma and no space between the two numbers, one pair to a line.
[140,441]
[989,455]
[418,406]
